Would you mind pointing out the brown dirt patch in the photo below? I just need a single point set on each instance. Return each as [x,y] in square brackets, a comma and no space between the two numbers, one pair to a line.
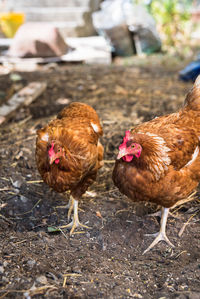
[105,261]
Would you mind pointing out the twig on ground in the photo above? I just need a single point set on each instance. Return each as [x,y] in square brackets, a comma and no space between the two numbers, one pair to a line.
[30,209]
[185,224]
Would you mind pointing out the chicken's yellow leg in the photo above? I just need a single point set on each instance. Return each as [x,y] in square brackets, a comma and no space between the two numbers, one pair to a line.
[161,235]
[70,206]
[75,222]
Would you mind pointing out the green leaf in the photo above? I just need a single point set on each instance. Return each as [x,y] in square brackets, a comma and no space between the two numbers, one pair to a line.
[52,229]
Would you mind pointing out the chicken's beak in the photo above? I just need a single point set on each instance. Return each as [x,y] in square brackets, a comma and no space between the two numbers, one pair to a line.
[121,154]
[51,160]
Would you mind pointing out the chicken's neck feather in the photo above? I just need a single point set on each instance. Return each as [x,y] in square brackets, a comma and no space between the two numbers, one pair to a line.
[154,155]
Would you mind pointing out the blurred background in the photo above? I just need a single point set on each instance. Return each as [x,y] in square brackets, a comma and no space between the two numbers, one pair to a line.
[97,30]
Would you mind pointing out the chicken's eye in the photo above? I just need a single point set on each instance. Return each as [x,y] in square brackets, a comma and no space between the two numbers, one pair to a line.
[133,145]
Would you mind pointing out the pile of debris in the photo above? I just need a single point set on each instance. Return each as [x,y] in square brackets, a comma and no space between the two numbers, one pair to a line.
[124,29]
[128,27]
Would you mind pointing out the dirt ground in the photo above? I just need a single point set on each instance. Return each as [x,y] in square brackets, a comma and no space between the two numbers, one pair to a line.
[105,261]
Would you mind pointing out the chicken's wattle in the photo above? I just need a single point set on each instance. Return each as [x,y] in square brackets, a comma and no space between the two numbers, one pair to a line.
[128,158]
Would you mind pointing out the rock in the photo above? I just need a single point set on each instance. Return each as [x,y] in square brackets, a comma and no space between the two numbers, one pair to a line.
[37,39]
[23,198]
[1,269]
[31,263]
[76,269]
[5,279]
[17,184]
[42,279]
[17,181]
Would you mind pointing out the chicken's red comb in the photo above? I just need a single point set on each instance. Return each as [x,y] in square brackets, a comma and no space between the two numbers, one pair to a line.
[127,136]
[125,139]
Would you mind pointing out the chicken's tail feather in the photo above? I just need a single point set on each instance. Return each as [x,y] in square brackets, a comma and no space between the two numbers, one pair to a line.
[192,101]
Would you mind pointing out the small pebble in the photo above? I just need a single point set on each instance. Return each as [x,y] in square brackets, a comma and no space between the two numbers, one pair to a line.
[31,263]
[42,279]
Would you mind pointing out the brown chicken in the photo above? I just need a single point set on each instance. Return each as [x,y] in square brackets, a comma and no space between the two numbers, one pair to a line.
[159,160]
[69,154]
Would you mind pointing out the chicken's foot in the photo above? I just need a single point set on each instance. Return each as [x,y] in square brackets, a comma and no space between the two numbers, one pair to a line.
[75,222]
[161,235]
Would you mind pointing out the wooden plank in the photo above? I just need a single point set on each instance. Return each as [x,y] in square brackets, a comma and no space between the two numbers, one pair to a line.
[40,60]
[24,97]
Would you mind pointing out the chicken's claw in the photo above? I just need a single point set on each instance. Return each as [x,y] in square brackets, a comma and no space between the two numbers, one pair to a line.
[161,235]
[75,222]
